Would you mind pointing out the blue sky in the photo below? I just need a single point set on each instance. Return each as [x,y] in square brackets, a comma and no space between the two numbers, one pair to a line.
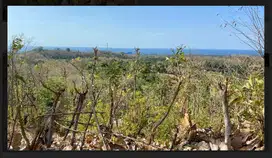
[123,27]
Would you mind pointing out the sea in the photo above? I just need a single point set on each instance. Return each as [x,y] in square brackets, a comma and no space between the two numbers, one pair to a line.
[161,51]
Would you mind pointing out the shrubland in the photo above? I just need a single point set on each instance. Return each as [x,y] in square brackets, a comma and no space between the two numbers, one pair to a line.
[100,100]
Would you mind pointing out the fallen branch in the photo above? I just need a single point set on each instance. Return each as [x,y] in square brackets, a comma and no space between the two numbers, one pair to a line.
[114,134]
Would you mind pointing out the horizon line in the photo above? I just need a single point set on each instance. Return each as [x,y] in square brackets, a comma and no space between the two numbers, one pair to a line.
[143,48]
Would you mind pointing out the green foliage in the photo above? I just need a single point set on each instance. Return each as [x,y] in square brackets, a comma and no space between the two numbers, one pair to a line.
[160,67]
[227,67]
[156,84]
[249,97]
[113,70]
[17,44]
[44,98]
[20,78]
[215,65]
[178,57]
[56,83]
[136,116]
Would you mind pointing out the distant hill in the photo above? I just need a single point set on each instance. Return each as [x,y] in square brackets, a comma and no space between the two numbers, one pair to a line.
[35,55]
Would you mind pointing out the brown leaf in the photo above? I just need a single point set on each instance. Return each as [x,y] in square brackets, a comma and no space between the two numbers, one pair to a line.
[17,138]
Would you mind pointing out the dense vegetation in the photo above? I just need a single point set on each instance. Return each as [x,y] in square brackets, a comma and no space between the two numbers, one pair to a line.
[111,100]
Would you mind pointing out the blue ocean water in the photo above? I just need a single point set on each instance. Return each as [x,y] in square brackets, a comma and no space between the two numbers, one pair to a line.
[163,51]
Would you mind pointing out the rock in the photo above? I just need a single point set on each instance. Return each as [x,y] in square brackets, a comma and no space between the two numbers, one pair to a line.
[77,147]
[68,148]
[182,144]
[216,141]
[239,139]
[237,142]
[223,146]
[214,147]
[260,149]
[104,147]
[219,141]
[187,148]
[203,146]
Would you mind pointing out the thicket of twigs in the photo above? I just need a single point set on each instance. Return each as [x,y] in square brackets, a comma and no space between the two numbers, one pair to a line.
[134,102]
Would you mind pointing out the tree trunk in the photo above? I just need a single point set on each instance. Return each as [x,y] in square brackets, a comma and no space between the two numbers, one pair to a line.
[153,131]
[224,93]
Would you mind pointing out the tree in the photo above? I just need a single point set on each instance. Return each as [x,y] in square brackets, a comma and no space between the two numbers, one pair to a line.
[224,94]
[122,54]
[68,49]
[249,27]
[176,60]
[39,49]
[18,43]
